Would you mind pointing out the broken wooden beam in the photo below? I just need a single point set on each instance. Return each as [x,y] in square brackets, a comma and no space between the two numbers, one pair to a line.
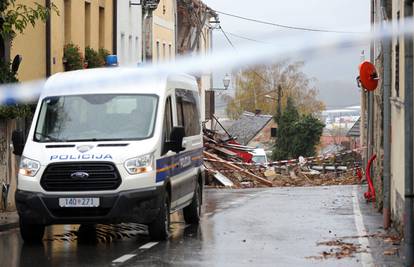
[234,167]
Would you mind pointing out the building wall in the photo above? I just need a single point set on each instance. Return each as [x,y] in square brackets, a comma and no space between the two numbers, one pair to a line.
[163,48]
[206,77]
[264,139]
[397,125]
[129,33]
[33,65]
[67,26]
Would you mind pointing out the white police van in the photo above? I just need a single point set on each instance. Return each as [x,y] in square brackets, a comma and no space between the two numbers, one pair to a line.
[127,151]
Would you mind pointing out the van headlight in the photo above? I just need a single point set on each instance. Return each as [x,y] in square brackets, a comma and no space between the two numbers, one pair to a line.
[140,164]
[28,167]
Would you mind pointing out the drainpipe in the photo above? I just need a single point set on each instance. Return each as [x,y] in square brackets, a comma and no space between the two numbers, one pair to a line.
[48,40]
[408,140]
[114,27]
[386,83]
[370,95]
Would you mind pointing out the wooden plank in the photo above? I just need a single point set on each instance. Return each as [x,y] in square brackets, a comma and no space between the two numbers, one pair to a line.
[226,152]
[223,180]
[234,167]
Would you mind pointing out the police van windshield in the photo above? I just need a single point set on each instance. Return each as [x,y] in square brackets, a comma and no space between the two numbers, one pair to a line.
[104,117]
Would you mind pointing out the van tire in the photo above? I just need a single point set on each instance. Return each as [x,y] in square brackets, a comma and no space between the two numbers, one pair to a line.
[31,233]
[192,212]
[159,229]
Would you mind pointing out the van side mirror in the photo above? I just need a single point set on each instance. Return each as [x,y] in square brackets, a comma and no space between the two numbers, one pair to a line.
[176,139]
[18,142]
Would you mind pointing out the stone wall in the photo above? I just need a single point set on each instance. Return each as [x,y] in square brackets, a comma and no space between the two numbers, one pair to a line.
[7,164]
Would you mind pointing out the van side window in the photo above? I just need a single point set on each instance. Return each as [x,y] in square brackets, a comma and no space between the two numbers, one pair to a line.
[188,111]
[180,115]
[168,123]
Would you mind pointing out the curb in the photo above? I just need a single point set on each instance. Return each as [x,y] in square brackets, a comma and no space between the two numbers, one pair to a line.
[8,220]
[8,226]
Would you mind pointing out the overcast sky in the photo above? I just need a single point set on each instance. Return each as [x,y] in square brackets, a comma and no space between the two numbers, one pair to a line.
[330,69]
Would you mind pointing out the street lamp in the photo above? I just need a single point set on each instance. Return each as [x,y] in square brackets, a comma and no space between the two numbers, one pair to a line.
[226,81]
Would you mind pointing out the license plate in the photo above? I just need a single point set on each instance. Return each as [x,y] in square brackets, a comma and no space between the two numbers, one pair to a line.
[75,202]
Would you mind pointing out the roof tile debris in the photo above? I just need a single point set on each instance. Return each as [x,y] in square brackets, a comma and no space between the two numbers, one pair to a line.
[248,126]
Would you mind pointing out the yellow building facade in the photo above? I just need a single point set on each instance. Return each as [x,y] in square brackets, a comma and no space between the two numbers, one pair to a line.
[163,31]
[81,22]
[31,45]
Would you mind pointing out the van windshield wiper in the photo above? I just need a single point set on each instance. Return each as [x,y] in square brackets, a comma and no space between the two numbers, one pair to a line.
[95,139]
[51,138]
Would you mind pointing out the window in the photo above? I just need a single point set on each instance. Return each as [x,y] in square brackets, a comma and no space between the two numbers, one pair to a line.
[87,24]
[122,48]
[158,51]
[101,27]
[164,55]
[273,132]
[188,111]
[169,52]
[136,50]
[67,21]
[168,123]
[130,51]
[397,63]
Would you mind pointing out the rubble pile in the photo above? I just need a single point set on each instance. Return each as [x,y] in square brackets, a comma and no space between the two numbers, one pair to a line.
[227,165]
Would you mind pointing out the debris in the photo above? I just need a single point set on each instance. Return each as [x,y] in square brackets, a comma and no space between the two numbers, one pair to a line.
[227,162]
[223,180]
[237,168]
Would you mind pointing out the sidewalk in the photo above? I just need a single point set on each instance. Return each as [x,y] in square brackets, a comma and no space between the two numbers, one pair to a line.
[8,220]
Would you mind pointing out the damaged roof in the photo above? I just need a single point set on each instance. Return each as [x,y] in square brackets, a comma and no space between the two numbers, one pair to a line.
[248,126]
[355,129]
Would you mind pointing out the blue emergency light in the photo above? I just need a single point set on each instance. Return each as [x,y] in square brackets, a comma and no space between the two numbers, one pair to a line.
[112,60]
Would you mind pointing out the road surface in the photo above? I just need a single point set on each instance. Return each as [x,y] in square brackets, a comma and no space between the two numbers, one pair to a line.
[250,227]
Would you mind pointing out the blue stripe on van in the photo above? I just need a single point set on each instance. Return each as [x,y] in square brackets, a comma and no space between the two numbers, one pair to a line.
[176,164]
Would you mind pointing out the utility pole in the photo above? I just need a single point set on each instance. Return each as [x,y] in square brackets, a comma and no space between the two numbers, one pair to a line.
[279,101]
[386,83]
[255,99]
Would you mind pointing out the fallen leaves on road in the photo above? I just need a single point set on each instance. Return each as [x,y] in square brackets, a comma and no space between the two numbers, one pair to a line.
[340,249]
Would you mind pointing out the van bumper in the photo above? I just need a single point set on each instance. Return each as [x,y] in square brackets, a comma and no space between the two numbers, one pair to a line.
[140,206]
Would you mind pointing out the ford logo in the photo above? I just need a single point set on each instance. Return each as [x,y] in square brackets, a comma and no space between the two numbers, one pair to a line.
[79,175]
[84,148]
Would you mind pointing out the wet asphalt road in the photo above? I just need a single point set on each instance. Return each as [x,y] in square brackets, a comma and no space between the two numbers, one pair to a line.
[253,227]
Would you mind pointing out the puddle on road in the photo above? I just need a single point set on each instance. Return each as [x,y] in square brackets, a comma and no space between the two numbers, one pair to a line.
[101,233]
[106,233]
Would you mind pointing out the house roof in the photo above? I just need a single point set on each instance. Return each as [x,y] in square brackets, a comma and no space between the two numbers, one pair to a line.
[248,126]
[355,129]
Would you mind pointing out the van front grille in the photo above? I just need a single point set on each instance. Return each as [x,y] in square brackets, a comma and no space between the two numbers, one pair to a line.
[97,176]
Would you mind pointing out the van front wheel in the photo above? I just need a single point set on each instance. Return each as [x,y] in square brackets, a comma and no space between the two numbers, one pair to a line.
[159,229]
[31,233]
[192,212]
